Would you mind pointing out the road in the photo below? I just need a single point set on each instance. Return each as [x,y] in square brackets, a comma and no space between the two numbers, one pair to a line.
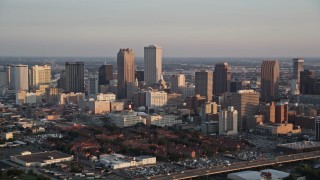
[239,166]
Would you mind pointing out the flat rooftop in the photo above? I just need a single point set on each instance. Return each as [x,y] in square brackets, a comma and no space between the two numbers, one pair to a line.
[42,156]
[301,145]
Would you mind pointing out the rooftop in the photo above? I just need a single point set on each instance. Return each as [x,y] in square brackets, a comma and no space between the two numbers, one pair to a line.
[42,156]
[301,145]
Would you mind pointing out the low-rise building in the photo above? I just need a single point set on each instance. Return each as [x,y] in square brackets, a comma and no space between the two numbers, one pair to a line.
[105,97]
[118,161]
[99,107]
[210,128]
[41,159]
[24,97]
[166,120]
[299,147]
[67,98]
[278,128]
[126,118]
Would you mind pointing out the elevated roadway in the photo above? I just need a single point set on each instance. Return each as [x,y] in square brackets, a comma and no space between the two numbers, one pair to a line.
[238,166]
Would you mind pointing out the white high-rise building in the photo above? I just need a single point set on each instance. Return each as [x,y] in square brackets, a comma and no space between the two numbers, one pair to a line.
[177,81]
[19,77]
[41,75]
[152,64]
[228,121]
[156,99]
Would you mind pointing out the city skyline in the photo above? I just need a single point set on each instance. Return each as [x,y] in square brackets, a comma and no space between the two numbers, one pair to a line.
[183,28]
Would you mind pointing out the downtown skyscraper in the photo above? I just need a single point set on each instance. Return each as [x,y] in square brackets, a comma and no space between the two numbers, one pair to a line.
[125,72]
[74,74]
[222,77]
[270,72]
[19,77]
[105,74]
[297,69]
[203,84]
[152,64]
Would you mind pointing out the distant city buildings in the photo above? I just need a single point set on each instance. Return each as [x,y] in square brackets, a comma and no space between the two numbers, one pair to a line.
[204,84]
[40,77]
[92,86]
[71,98]
[152,64]
[310,83]
[105,74]
[177,81]
[156,99]
[125,72]
[126,118]
[246,102]
[19,77]
[297,69]
[317,128]
[74,74]
[228,121]
[222,78]
[270,74]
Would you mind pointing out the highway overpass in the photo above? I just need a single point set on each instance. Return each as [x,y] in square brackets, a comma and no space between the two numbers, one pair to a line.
[238,166]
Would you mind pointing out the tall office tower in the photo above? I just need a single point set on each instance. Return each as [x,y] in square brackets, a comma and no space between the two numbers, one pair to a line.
[62,80]
[281,113]
[40,75]
[317,128]
[92,86]
[295,82]
[19,77]
[246,102]
[222,77]
[269,112]
[228,121]
[7,70]
[3,77]
[152,64]
[297,68]
[74,72]
[203,83]
[270,72]
[105,74]
[126,71]
[177,81]
[308,81]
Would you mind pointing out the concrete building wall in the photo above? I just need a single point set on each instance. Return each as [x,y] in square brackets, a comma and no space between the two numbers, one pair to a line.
[125,71]
[152,64]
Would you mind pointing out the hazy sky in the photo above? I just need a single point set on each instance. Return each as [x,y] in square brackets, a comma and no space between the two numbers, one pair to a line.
[184,28]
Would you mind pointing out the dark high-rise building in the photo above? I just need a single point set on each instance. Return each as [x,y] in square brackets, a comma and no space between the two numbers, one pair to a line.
[203,84]
[317,128]
[222,77]
[140,75]
[74,72]
[270,72]
[126,71]
[235,86]
[308,82]
[105,74]
[62,80]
